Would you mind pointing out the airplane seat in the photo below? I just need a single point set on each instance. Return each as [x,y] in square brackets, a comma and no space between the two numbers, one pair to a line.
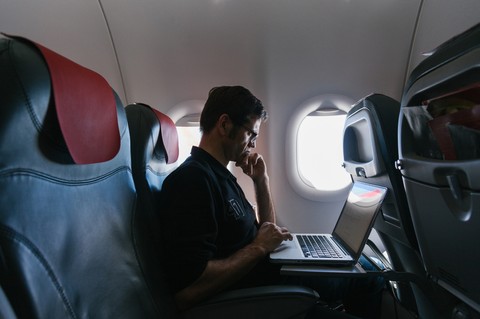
[154,149]
[154,152]
[439,157]
[6,310]
[68,198]
[370,151]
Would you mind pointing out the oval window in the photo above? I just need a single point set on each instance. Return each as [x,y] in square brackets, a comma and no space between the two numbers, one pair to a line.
[186,116]
[314,148]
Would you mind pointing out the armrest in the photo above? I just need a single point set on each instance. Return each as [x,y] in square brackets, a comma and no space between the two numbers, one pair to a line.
[259,302]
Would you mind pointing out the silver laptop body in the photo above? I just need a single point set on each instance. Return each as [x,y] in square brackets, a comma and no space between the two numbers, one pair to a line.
[348,238]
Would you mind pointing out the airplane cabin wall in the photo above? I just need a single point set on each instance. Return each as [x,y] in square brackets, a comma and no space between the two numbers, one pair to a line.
[166,52]
[350,48]
[75,29]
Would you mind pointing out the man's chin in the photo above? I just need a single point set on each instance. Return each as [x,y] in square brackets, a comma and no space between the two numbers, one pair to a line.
[241,158]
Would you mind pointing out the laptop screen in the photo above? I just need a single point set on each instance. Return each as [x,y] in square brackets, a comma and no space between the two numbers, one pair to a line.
[358,216]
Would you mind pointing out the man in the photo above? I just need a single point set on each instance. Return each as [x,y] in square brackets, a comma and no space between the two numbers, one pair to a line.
[214,239]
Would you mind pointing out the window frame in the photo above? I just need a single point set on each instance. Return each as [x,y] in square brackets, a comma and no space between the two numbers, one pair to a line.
[295,178]
[184,111]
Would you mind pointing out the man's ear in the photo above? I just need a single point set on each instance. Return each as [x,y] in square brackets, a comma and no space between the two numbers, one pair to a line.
[224,124]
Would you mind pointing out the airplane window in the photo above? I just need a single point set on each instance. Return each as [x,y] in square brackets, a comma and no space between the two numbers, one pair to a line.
[320,151]
[188,128]
[186,116]
[314,148]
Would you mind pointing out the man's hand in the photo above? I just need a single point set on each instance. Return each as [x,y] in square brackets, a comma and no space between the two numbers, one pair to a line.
[222,273]
[270,236]
[253,165]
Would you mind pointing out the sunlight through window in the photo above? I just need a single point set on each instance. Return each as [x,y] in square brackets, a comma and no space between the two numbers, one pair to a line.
[188,136]
[320,152]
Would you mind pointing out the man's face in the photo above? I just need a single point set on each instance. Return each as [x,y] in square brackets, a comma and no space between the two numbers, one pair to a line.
[243,139]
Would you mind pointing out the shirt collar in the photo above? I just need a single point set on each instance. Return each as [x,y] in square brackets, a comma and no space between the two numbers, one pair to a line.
[200,154]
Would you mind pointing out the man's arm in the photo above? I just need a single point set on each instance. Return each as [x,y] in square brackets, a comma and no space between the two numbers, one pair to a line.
[221,273]
[254,166]
[265,208]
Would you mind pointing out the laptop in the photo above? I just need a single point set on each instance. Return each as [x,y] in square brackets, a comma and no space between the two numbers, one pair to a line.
[345,244]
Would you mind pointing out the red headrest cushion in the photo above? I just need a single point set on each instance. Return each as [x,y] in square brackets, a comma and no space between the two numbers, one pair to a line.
[86,109]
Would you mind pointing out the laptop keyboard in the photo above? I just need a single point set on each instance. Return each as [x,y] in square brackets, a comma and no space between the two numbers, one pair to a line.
[317,247]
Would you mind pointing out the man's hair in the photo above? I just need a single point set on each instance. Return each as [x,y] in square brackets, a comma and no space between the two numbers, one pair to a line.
[235,101]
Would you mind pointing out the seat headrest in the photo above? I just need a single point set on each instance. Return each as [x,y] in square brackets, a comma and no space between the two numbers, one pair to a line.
[169,136]
[85,106]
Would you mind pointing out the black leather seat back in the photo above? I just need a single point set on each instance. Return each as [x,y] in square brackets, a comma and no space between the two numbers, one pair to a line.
[66,230]
[439,159]
[154,151]
[370,150]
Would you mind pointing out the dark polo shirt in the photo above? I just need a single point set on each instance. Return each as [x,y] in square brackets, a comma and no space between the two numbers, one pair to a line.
[204,215]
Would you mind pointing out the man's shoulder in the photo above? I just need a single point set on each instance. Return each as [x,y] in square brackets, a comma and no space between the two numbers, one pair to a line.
[191,170]
[194,178]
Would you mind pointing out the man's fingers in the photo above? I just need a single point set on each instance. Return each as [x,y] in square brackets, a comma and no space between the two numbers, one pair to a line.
[286,233]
